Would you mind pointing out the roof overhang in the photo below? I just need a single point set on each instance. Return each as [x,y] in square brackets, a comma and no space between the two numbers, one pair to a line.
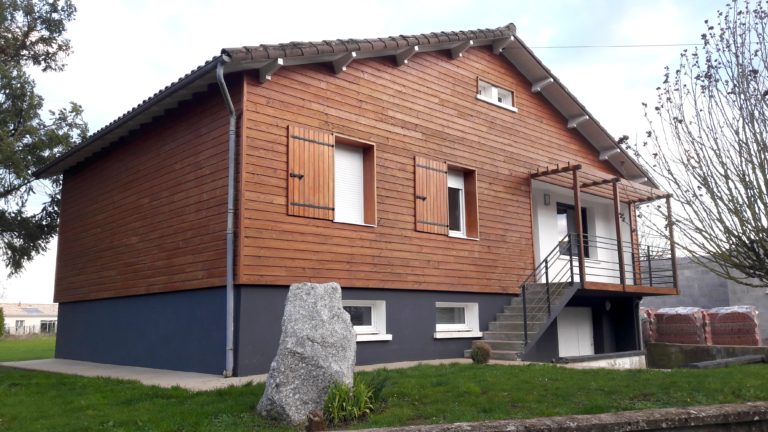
[267,59]
[577,116]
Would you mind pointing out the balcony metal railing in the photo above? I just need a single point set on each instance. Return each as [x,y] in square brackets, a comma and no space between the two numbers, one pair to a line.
[547,288]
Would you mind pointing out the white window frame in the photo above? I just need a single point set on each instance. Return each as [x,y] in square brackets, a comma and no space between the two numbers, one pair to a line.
[377,331]
[493,99]
[470,328]
[456,181]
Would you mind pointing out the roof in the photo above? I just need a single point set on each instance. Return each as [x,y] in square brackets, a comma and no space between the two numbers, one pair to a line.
[266,59]
[30,309]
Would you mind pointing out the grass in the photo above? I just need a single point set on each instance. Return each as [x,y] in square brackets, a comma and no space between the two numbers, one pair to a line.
[31,348]
[36,401]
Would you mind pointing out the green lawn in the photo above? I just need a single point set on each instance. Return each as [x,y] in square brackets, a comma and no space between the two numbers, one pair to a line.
[35,401]
[32,348]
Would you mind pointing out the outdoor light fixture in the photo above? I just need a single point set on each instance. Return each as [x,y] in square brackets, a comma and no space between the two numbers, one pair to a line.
[546,199]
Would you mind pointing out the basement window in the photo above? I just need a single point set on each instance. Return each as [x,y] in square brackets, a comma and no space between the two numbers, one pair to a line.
[369,318]
[495,95]
[456,320]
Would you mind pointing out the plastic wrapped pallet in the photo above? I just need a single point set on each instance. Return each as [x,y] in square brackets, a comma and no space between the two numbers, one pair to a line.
[734,325]
[681,325]
[648,325]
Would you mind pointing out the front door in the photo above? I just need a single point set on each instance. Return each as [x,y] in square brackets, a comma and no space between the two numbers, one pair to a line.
[574,332]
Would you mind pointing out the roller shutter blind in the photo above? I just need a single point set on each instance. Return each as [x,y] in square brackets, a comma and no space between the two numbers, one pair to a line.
[431,195]
[349,190]
[310,173]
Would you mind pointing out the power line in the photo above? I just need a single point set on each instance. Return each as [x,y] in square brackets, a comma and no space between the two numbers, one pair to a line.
[617,46]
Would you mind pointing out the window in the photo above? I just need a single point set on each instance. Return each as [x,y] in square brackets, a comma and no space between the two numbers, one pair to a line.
[456,320]
[456,205]
[48,326]
[369,317]
[446,199]
[331,177]
[19,326]
[348,184]
[566,223]
[496,95]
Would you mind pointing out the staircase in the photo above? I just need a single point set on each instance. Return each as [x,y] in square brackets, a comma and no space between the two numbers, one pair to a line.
[543,295]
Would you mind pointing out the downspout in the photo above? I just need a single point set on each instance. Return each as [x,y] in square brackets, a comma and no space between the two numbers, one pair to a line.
[230,350]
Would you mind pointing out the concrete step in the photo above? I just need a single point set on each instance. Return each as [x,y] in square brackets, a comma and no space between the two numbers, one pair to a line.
[503,345]
[514,326]
[505,336]
[517,315]
[505,355]
[497,355]
[507,316]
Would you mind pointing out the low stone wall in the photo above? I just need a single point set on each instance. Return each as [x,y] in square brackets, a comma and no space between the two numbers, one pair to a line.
[671,356]
[749,417]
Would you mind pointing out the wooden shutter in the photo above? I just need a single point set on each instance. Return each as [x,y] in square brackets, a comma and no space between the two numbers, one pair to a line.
[310,173]
[431,196]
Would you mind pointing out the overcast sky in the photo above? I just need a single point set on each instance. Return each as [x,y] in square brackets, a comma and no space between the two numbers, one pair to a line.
[125,51]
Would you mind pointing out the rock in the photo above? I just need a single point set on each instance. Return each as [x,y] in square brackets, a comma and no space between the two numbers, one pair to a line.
[317,349]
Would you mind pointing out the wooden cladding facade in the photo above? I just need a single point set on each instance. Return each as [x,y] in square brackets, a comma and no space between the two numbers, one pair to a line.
[149,214]
[423,113]
[310,173]
[431,196]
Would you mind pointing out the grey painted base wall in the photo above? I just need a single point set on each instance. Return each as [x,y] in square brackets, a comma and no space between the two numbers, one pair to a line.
[410,321]
[613,330]
[186,330]
[180,331]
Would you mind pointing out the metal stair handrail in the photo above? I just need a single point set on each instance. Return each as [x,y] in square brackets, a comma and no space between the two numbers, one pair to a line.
[553,283]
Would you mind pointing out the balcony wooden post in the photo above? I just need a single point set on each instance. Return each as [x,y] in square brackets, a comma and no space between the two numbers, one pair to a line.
[637,274]
[579,226]
[670,227]
[619,243]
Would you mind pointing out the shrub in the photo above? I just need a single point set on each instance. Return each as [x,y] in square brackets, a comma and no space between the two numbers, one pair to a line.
[481,352]
[346,405]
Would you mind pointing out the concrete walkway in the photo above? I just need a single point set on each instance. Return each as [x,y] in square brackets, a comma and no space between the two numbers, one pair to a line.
[203,382]
[188,380]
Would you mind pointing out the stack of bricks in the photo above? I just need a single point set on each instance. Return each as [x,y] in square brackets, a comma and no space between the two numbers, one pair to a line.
[681,325]
[735,325]
[648,325]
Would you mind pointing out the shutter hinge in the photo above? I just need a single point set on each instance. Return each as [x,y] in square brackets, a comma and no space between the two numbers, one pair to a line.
[297,175]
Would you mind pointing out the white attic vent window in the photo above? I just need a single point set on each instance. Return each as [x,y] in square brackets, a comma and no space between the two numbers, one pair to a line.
[498,96]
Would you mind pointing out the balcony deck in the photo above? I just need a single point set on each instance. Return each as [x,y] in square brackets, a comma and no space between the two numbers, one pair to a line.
[634,289]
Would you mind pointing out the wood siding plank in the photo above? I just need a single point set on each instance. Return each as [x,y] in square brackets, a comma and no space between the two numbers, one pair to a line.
[149,214]
[428,110]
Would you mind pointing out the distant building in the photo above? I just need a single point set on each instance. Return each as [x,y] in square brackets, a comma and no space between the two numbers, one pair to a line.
[30,318]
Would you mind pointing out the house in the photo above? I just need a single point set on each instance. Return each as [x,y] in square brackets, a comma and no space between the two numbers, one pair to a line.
[448,181]
[701,288]
[29,318]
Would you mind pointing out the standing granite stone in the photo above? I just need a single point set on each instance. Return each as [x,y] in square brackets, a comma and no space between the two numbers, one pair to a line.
[317,349]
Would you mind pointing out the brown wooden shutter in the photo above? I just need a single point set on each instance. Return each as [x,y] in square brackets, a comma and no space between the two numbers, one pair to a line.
[431,196]
[310,173]
[471,205]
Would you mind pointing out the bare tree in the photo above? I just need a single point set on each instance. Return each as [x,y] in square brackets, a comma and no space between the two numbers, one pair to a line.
[707,145]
